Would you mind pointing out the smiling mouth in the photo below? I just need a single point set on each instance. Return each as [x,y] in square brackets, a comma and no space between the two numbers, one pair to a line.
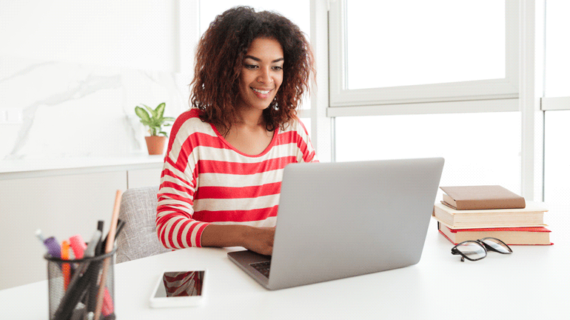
[261,91]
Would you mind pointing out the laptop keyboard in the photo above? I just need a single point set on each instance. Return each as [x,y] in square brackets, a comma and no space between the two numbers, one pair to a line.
[262,267]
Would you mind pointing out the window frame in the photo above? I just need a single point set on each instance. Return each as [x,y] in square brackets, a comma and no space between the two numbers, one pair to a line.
[389,100]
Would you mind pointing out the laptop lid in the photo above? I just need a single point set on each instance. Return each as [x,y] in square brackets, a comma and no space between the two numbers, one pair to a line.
[338,220]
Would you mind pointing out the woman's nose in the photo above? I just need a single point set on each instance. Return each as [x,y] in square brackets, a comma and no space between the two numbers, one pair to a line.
[265,76]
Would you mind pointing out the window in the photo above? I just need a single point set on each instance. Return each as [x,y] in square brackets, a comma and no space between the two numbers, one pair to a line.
[557,82]
[557,167]
[307,123]
[411,51]
[479,148]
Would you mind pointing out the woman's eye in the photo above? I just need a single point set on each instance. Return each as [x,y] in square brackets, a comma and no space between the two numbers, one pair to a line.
[250,66]
[277,68]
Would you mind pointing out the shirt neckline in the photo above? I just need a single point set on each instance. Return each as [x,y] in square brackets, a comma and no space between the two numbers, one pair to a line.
[273,139]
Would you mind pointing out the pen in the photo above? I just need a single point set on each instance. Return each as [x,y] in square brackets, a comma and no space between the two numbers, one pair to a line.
[99,247]
[93,287]
[120,225]
[90,250]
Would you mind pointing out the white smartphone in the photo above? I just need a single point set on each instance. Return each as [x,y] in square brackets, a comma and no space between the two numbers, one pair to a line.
[179,289]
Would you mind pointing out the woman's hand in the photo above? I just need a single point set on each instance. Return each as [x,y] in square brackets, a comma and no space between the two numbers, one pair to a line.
[255,239]
[259,240]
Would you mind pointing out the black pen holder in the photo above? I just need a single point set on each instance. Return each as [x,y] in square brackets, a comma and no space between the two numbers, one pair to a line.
[74,287]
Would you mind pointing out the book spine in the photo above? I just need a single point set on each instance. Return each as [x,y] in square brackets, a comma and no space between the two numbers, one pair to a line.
[490,204]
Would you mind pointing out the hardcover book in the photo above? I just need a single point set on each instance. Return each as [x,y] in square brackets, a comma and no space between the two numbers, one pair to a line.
[481,197]
[511,236]
[531,216]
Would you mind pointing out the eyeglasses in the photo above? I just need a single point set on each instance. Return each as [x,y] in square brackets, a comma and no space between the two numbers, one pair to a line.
[477,249]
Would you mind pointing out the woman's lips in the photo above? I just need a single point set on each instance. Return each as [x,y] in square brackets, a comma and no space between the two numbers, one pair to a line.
[261,93]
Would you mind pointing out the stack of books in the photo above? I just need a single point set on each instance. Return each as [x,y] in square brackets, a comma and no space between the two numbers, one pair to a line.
[476,212]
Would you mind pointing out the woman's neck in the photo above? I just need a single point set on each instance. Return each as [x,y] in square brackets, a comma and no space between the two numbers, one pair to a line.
[250,117]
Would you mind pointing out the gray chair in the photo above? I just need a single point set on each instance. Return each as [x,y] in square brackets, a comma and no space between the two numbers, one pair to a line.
[138,238]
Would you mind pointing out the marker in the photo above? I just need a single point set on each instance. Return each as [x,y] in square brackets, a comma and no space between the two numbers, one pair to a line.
[53,247]
[65,267]
[78,246]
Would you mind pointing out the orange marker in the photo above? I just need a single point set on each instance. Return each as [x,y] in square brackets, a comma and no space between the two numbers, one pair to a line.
[65,267]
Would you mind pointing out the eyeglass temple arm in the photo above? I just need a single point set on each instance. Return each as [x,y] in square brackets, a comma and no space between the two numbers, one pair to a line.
[454,251]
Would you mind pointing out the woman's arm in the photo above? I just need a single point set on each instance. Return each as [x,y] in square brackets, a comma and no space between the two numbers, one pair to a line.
[176,227]
[255,239]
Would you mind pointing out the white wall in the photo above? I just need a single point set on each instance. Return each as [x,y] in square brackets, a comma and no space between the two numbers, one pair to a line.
[126,33]
[75,70]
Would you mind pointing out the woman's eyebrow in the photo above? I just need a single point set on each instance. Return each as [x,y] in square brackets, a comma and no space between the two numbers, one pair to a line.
[257,59]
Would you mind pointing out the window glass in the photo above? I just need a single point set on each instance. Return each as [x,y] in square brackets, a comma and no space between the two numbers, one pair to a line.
[479,148]
[557,171]
[415,42]
[298,11]
[557,81]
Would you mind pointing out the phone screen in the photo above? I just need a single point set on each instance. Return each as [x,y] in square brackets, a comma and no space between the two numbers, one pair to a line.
[180,284]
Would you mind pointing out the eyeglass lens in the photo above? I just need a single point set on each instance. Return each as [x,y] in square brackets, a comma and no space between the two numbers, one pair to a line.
[496,245]
[472,250]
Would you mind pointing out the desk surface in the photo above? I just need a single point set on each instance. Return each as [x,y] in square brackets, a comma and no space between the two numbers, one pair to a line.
[532,283]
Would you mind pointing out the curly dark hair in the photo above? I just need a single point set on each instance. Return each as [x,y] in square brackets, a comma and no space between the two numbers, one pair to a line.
[220,57]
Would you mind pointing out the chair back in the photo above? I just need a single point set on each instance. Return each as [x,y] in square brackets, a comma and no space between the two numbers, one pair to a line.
[138,238]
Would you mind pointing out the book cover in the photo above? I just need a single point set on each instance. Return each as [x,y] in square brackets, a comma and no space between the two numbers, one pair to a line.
[482,197]
[511,236]
[531,216]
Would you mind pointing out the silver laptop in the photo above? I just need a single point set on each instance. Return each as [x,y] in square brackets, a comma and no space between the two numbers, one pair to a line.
[338,220]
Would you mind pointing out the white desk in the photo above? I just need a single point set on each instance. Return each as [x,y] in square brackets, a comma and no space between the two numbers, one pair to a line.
[532,283]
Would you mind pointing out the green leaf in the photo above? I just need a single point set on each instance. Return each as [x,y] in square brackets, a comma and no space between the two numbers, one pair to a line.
[168,118]
[160,110]
[151,110]
[164,133]
[156,123]
[167,124]
[142,114]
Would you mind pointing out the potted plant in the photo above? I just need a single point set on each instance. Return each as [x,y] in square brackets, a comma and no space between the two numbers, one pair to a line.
[154,119]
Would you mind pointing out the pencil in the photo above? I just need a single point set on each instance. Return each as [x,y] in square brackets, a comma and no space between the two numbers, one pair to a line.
[108,248]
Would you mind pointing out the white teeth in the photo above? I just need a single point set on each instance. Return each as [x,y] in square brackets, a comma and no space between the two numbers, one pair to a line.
[261,91]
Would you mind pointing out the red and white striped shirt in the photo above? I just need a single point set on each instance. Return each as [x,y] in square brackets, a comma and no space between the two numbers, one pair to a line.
[206,180]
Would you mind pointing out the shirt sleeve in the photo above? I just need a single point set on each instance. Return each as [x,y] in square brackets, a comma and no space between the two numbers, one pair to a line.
[175,227]
[306,151]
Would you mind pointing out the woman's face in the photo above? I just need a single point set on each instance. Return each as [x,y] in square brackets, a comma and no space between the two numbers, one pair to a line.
[262,73]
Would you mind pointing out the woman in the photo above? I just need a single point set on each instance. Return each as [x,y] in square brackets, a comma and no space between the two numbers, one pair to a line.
[224,164]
